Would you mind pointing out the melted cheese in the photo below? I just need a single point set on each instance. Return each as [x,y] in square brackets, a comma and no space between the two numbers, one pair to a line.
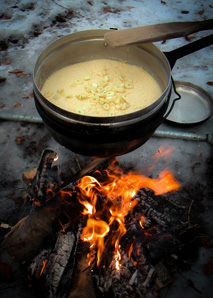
[101,88]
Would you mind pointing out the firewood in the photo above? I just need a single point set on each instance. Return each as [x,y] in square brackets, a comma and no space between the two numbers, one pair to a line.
[24,241]
[48,267]
[82,283]
[28,236]
[59,260]
[46,177]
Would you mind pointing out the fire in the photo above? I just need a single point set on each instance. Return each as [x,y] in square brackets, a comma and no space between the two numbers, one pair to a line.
[163,152]
[55,158]
[94,233]
[130,250]
[142,222]
[63,229]
[43,267]
[119,191]
[117,258]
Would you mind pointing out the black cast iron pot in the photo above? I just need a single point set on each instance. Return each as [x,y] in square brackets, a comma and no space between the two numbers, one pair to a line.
[105,136]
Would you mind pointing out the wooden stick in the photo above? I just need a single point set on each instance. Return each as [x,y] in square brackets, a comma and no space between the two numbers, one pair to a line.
[156,32]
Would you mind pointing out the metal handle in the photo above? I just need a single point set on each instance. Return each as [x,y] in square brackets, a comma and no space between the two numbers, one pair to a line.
[174,100]
[188,49]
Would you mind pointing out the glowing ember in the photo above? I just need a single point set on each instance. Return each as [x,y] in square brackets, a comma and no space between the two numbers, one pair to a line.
[119,191]
[56,158]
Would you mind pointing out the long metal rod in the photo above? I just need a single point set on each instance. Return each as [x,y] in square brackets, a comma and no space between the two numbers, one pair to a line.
[158,133]
[183,135]
[17,117]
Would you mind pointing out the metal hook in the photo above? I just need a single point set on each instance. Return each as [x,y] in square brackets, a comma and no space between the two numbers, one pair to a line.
[177,98]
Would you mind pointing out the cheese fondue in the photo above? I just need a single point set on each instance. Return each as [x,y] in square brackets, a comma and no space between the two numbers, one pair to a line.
[101,88]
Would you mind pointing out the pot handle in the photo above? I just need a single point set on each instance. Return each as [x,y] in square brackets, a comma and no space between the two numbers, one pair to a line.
[188,49]
[171,106]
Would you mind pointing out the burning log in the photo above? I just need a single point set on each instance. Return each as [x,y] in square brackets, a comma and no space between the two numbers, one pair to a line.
[50,265]
[64,268]
[26,238]
[151,206]
[132,232]
[46,178]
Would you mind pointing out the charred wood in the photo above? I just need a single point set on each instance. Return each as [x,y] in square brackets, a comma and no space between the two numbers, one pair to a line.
[25,240]
[47,177]
[67,277]
[49,266]
[59,260]
[151,208]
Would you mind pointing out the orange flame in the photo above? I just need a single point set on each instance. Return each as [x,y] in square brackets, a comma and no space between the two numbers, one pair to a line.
[43,267]
[117,258]
[63,229]
[163,152]
[120,191]
[94,233]
[55,158]
[130,250]
[142,222]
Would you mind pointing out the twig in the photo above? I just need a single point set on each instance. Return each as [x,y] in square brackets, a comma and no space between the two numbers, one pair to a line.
[133,278]
[78,163]
[188,281]
[16,226]
[189,211]
[61,5]
[149,276]
[5,225]
[175,204]
[139,293]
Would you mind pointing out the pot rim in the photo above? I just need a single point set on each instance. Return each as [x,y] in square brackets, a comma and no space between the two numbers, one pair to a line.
[72,117]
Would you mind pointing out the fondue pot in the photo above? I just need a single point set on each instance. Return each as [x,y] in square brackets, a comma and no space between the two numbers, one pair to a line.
[113,135]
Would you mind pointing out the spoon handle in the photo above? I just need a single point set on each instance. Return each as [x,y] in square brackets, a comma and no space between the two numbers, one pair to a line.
[152,33]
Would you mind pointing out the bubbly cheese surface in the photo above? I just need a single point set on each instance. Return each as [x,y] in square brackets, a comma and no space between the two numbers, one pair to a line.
[101,88]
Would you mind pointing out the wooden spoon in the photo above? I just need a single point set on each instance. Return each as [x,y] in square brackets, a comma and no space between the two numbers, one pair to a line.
[156,32]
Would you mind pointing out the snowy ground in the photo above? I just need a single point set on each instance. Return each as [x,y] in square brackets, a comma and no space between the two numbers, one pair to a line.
[27,27]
